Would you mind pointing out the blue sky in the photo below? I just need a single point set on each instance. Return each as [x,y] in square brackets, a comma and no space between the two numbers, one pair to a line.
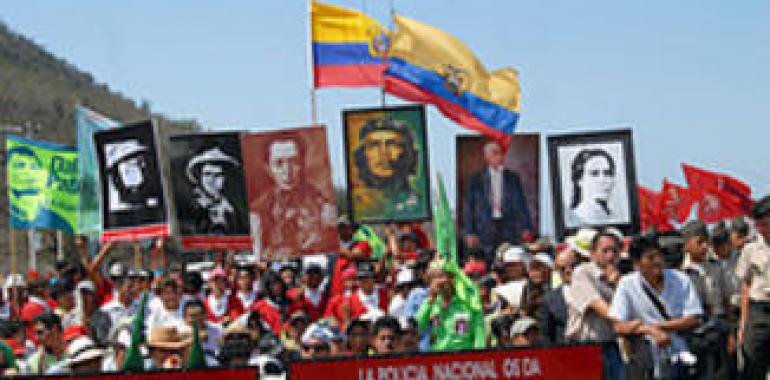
[690,77]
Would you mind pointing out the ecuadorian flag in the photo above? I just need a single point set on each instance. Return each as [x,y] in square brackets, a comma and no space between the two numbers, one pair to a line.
[348,47]
[427,65]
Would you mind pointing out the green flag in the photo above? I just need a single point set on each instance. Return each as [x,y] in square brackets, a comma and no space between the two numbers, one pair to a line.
[196,359]
[465,289]
[445,230]
[43,184]
[134,361]
[367,234]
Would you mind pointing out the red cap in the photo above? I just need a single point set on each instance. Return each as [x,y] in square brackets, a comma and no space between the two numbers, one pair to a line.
[474,266]
[74,331]
[33,275]
[17,348]
[363,247]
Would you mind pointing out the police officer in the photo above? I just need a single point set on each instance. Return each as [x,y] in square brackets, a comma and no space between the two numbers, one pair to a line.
[753,270]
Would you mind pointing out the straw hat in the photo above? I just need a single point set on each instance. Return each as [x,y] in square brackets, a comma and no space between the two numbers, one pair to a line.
[213,156]
[581,241]
[167,337]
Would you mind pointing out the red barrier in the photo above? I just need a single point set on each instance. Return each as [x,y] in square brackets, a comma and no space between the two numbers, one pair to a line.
[575,362]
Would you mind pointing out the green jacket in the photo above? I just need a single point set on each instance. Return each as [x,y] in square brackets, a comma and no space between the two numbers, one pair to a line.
[457,327]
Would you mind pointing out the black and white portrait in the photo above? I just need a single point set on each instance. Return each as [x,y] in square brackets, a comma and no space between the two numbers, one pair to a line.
[131,182]
[593,180]
[208,185]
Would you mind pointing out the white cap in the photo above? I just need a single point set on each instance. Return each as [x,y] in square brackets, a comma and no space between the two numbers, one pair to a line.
[83,349]
[320,260]
[118,151]
[581,241]
[543,258]
[515,254]
[404,276]
[86,285]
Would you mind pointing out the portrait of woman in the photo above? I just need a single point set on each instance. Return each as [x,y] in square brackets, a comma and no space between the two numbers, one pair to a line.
[593,181]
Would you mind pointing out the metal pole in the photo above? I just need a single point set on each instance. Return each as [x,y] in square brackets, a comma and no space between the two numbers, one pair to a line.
[59,245]
[31,246]
[12,242]
[311,66]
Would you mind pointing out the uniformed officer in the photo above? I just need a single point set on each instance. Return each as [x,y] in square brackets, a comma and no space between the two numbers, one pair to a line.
[753,270]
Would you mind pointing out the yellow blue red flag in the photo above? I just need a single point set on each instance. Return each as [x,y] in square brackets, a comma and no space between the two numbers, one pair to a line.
[427,65]
[349,47]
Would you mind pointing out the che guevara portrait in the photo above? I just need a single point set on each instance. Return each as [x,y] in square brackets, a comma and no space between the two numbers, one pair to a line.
[387,164]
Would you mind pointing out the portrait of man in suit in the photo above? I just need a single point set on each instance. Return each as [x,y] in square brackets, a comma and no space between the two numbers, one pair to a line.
[496,208]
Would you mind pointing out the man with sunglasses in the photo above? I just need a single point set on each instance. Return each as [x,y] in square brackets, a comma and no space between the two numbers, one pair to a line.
[316,343]
[48,331]
[588,301]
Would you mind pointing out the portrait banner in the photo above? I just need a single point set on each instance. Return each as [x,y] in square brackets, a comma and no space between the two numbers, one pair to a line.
[498,191]
[43,185]
[87,122]
[292,209]
[209,191]
[131,184]
[593,181]
[387,164]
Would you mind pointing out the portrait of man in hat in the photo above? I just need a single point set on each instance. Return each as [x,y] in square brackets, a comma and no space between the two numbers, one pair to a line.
[208,184]
[130,175]
[291,199]
[387,164]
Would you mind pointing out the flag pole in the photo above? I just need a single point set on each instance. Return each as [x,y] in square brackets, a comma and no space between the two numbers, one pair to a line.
[12,249]
[32,262]
[59,245]
[313,104]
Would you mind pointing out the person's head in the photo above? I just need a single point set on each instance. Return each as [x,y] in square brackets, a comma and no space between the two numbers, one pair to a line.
[126,289]
[167,347]
[739,232]
[245,279]
[696,240]
[345,228]
[38,288]
[385,332]
[593,175]
[566,260]
[316,342]
[761,214]
[274,286]
[218,282]
[441,279]
[63,292]
[286,160]
[525,332]
[194,313]
[209,169]
[212,179]
[539,269]
[493,154]
[84,356]
[501,328]
[720,241]
[313,276]
[365,273]
[193,283]
[514,264]
[169,293]
[288,275]
[409,339]
[47,329]
[235,353]
[357,335]
[647,256]
[605,248]
[298,322]
[386,156]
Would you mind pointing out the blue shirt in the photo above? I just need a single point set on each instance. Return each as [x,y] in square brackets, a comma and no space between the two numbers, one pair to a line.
[413,302]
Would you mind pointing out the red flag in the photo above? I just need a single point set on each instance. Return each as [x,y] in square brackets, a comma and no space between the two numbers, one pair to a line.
[649,209]
[719,196]
[675,202]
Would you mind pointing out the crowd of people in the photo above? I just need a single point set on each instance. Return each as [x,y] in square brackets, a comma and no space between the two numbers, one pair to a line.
[693,303]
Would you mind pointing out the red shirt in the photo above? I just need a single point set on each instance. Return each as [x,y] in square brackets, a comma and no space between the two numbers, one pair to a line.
[216,313]
[270,313]
[358,308]
[315,312]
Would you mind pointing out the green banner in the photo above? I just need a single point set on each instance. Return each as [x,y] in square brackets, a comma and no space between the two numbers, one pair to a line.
[43,185]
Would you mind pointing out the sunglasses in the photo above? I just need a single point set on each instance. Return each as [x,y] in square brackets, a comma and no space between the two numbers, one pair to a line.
[315,348]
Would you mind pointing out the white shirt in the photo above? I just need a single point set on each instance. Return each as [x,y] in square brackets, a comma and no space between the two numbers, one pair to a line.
[160,316]
[247,298]
[117,311]
[496,191]
[314,295]
[396,307]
